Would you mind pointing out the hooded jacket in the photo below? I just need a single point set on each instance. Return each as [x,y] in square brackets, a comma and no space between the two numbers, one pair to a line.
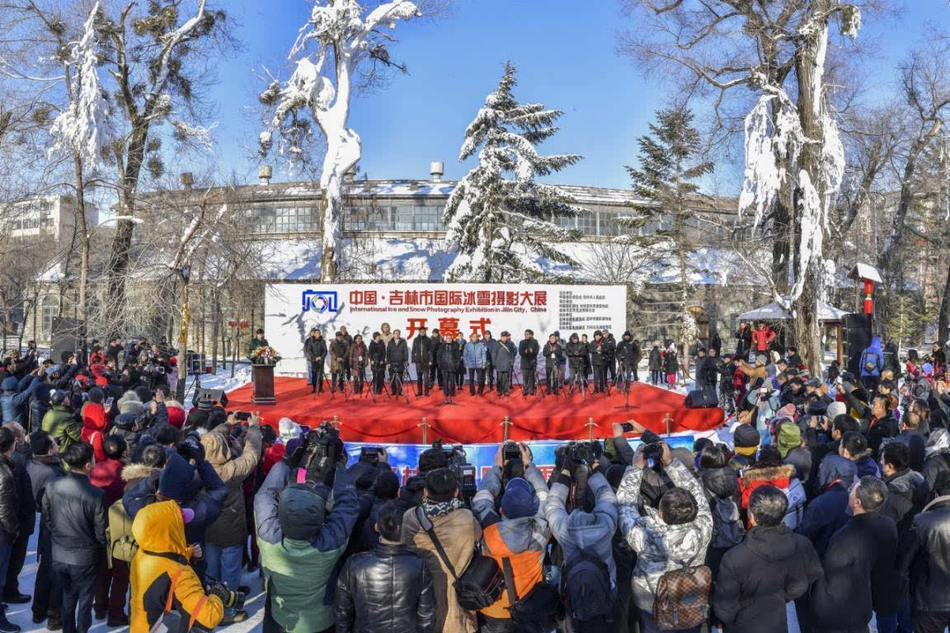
[522,540]
[661,547]
[590,532]
[63,426]
[163,554]
[299,571]
[771,567]
[95,423]
[13,403]
[230,528]
[873,355]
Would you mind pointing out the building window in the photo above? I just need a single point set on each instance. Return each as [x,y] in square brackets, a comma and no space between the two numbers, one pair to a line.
[48,311]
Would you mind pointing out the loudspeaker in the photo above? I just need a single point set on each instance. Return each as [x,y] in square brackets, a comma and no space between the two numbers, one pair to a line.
[65,337]
[858,329]
[702,399]
[211,395]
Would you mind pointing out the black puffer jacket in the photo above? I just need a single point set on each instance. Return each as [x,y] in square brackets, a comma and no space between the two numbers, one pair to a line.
[75,512]
[928,561]
[388,590]
[757,577]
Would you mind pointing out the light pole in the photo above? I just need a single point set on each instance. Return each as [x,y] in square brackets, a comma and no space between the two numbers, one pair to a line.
[84,271]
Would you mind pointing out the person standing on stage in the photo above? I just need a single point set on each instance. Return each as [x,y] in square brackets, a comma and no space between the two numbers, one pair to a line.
[435,376]
[339,351]
[377,362]
[474,357]
[421,353]
[490,344]
[610,356]
[598,361]
[315,349]
[576,353]
[625,352]
[460,367]
[346,359]
[357,355]
[448,360]
[503,358]
[588,369]
[553,356]
[528,350]
[386,334]
[397,356]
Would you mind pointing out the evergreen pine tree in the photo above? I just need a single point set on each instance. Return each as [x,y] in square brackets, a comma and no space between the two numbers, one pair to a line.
[665,181]
[501,221]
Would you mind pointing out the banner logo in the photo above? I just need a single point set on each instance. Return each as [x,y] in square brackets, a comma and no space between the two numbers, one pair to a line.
[320,301]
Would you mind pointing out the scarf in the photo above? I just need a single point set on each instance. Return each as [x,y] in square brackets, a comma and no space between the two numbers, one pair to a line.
[433,510]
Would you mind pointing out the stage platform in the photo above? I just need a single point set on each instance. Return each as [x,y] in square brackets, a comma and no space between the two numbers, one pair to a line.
[476,420]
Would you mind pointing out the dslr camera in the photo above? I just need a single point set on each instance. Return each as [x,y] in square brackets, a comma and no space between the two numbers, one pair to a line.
[654,451]
[320,447]
[458,462]
[511,451]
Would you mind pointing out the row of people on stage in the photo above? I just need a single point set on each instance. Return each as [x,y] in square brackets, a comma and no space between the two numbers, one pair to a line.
[446,359]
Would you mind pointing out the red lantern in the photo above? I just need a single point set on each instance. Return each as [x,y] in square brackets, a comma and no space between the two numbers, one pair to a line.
[868,299]
[243,323]
[232,323]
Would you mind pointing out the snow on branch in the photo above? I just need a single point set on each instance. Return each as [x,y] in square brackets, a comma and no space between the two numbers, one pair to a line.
[170,42]
[85,126]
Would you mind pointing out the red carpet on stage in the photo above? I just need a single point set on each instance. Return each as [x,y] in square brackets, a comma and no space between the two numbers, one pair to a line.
[476,420]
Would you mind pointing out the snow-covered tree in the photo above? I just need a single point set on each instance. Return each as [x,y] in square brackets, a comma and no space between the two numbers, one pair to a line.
[500,220]
[794,158]
[666,181]
[342,38]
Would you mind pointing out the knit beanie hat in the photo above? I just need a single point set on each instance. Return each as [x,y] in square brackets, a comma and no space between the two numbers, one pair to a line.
[518,500]
[175,480]
[789,437]
[301,512]
[745,436]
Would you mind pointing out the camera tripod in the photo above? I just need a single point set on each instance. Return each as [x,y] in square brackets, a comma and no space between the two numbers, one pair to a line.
[396,382]
[580,382]
[365,387]
[625,383]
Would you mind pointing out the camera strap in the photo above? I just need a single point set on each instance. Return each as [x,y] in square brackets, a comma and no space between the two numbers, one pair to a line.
[509,581]
[426,525]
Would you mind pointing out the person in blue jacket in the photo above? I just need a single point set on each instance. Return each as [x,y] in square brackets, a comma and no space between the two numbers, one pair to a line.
[14,403]
[872,363]
[475,357]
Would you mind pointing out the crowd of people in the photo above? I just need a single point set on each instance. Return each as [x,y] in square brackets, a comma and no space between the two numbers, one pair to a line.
[831,491]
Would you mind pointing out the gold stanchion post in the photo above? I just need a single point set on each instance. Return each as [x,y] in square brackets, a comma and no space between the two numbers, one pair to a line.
[425,430]
[504,427]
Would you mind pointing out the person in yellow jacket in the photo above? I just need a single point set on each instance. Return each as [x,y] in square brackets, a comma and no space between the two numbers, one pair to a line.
[162,557]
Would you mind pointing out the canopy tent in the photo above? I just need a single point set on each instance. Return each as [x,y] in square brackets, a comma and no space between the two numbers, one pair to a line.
[775,312]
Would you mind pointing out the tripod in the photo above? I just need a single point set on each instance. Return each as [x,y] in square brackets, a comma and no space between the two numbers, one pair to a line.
[626,389]
[580,382]
[367,387]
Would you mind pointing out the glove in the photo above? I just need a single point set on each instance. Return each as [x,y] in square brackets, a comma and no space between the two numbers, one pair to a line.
[292,460]
[222,592]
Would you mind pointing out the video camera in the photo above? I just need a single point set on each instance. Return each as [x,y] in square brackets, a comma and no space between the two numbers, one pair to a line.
[320,450]
[457,461]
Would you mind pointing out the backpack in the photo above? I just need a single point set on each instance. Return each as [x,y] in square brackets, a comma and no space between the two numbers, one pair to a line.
[122,545]
[482,582]
[588,593]
[538,611]
[727,524]
[868,365]
[682,598]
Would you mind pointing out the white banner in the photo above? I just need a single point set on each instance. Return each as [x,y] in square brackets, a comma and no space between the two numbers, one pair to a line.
[292,309]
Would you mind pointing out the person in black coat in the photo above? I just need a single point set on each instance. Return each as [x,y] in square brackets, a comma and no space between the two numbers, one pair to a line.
[449,356]
[27,513]
[743,341]
[627,357]
[598,360]
[421,356]
[377,362]
[576,355]
[828,512]
[553,357]
[771,566]
[927,562]
[860,569]
[610,355]
[397,356]
[387,590]
[315,349]
[882,425]
[528,350]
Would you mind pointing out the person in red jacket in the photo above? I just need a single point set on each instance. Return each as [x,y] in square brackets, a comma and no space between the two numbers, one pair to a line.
[762,338]
[112,583]
[95,422]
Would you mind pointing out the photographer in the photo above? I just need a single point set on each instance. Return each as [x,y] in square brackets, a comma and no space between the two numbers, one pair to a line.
[503,358]
[377,360]
[300,540]
[16,396]
[587,531]
[528,351]
[227,535]
[449,356]
[315,349]
[339,349]
[553,357]
[397,356]
[421,354]
[672,537]
[520,533]
[161,566]
[60,421]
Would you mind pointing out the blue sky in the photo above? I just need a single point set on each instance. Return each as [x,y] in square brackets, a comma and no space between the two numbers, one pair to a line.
[566,54]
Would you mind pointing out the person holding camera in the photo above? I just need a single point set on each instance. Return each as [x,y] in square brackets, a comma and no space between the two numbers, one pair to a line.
[519,535]
[299,538]
[458,531]
[339,349]
[233,463]
[60,421]
[165,587]
[315,349]
[16,396]
[669,538]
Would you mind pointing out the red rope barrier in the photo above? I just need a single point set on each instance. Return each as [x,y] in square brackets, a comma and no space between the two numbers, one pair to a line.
[554,436]
[384,435]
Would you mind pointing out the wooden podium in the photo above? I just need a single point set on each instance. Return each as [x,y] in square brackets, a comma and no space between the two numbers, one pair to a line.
[263,380]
